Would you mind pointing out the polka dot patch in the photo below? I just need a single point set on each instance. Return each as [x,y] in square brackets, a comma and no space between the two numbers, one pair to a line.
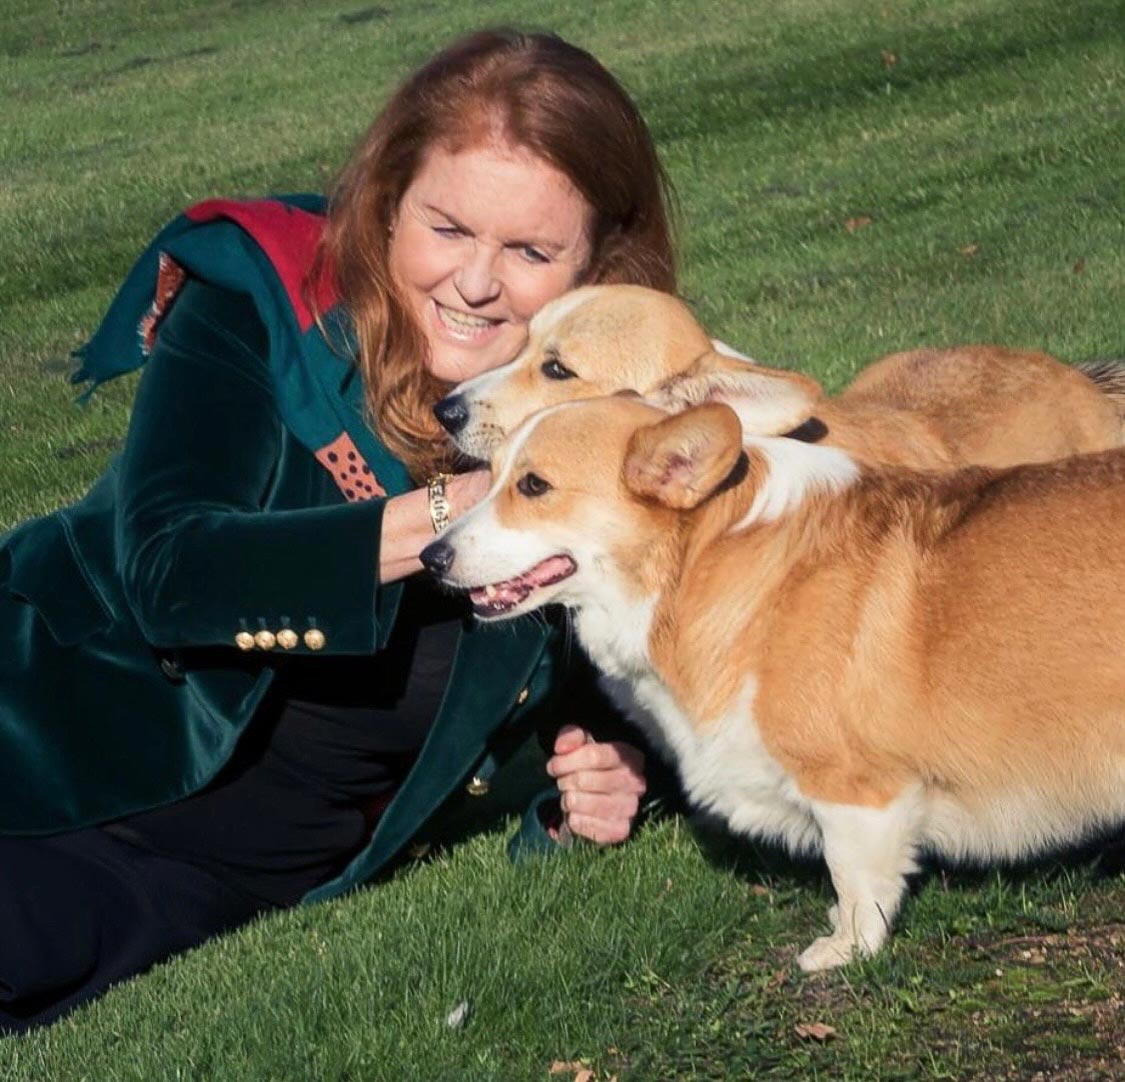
[352,475]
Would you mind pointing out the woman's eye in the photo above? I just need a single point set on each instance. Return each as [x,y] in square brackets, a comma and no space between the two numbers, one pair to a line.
[532,485]
[447,230]
[534,255]
[555,369]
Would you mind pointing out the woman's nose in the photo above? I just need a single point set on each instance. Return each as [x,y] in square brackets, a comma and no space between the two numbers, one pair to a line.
[476,279]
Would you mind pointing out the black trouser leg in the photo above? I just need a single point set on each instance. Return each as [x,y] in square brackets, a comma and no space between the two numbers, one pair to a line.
[82,911]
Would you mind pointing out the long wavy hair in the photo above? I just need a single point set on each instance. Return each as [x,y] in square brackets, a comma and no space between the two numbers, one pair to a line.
[536,92]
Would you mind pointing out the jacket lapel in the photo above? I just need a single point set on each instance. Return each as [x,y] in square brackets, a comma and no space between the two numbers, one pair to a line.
[493,663]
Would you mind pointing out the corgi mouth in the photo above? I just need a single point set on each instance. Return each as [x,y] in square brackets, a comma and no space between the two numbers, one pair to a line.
[499,598]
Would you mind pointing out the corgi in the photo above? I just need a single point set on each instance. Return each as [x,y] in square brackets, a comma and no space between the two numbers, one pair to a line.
[927,408]
[861,661]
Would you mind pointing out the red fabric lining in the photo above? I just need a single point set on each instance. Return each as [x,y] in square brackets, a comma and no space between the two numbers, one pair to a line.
[287,235]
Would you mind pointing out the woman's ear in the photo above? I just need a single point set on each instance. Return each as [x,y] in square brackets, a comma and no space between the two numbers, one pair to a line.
[683,459]
[768,401]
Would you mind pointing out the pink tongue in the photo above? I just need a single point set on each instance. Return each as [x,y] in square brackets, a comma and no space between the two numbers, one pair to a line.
[510,592]
[550,570]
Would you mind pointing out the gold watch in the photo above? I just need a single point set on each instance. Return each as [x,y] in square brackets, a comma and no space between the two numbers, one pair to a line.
[439,502]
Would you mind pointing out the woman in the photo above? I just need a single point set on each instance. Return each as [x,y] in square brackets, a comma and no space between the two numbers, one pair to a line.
[222,686]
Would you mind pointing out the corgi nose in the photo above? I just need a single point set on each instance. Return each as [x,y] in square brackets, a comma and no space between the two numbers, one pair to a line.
[452,412]
[437,557]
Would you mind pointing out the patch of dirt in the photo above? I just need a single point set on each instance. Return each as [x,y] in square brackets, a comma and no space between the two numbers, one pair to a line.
[1066,990]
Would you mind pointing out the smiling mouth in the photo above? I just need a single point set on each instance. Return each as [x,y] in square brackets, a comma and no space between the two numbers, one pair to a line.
[463,324]
[499,598]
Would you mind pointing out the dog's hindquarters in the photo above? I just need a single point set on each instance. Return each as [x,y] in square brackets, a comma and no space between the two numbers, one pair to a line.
[998,407]
[1109,376]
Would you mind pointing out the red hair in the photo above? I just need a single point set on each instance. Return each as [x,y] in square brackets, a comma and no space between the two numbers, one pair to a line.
[533,91]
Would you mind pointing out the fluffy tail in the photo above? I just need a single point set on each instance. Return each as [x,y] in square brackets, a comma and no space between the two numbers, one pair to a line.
[1109,375]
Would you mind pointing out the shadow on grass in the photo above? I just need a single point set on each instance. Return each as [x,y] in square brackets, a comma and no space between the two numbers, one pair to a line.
[853,72]
[756,862]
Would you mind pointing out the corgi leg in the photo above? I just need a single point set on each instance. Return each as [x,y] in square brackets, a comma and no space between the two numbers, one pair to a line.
[869,852]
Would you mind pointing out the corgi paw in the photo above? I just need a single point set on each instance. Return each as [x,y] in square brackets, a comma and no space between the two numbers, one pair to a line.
[827,952]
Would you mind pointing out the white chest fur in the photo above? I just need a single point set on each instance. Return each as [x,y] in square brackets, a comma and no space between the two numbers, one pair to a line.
[724,767]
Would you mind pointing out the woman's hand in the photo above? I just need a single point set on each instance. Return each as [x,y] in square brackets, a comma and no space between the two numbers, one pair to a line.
[467,489]
[407,528]
[601,784]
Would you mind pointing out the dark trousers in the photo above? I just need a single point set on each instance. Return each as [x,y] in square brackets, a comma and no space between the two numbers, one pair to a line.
[82,911]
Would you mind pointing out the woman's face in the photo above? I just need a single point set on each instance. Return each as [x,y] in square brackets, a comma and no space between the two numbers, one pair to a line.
[482,239]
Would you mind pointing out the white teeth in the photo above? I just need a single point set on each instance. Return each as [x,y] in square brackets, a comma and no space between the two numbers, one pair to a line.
[490,591]
[462,321]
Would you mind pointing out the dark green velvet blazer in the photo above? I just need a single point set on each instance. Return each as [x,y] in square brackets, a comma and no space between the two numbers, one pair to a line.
[141,627]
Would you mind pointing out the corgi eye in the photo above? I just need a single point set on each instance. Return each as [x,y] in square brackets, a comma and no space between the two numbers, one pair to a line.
[532,485]
[553,368]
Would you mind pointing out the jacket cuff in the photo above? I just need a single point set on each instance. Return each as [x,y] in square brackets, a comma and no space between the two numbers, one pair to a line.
[533,839]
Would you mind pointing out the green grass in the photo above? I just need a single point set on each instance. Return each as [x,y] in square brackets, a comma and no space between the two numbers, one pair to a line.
[983,140]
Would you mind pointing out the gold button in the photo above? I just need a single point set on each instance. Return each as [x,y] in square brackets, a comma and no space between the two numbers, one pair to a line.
[244,640]
[265,640]
[418,850]
[287,638]
[521,698]
[314,638]
[477,786]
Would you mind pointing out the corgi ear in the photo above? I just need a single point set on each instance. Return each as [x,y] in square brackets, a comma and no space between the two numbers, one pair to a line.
[683,459]
[768,401]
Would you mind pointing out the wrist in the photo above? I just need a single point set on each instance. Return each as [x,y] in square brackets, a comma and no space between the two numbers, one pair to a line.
[441,512]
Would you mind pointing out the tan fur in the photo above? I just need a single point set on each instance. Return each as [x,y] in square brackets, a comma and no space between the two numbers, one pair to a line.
[962,630]
[939,651]
[972,405]
[678,461]
[929,408]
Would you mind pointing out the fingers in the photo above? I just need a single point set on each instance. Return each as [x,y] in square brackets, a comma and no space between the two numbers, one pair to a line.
[604,806]
[600,785]
[570,738]
[621,780]
[594,757]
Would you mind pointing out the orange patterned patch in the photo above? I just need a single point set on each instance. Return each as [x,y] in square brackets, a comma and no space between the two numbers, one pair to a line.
[170,276]
[349,470]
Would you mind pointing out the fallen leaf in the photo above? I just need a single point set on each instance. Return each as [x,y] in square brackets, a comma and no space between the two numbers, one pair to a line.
[1079,267]
[456,1017]
[857,223]
[816,1031]
[759,891]
[561,1066]
[777,980]
[585,1075]
[969,249]
[889,59]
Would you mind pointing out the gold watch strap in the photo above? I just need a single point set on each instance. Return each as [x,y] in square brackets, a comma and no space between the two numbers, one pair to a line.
[439,502]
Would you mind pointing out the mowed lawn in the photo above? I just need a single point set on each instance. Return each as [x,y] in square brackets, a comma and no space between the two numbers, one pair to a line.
[854,178]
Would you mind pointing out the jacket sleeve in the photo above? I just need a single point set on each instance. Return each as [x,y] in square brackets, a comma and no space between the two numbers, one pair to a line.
[200,558]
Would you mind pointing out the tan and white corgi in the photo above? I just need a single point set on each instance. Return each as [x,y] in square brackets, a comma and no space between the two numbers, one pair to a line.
[866,662]
[935,408]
